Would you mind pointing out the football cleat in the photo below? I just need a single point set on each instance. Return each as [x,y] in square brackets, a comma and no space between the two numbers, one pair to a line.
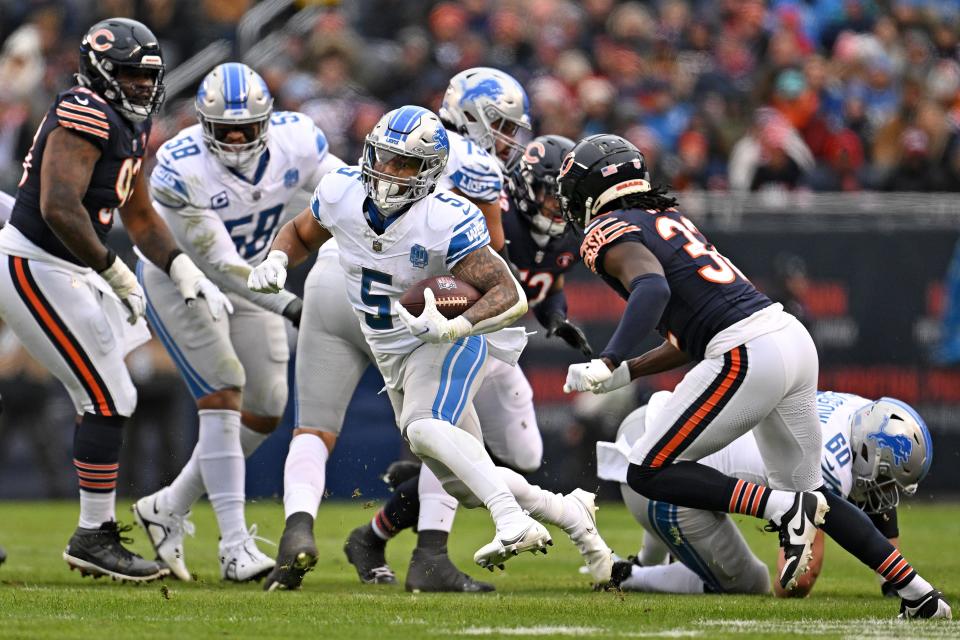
[931,605]
[100,552]
[3,555]
[365,551]
[165,530]
[242,561]
[621,571]
[534,537]
[400,471]
[296,556]
[435,572]
[797,529]
[596,554]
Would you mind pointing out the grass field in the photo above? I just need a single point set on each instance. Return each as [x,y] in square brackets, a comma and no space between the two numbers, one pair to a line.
[539,597]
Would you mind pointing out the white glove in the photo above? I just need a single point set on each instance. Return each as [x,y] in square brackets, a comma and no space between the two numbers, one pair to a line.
[193,284]
[125,285]
[270,275]
[595,376]
[431,326]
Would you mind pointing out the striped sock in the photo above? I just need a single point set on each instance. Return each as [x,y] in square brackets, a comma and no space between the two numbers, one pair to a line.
[896,570]
[749,499]
[96,455]
[382,526]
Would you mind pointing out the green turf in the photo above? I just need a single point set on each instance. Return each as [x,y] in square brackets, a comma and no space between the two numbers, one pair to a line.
[539,597]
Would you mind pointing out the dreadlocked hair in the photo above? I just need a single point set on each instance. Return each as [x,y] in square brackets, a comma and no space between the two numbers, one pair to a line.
[656,199]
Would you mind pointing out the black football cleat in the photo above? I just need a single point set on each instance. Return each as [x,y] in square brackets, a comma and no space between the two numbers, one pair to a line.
[797,529]
[3,555]
[400,471]
[100,552]
[366,552]
[433,571]
[621,572]
[931,605]
[296,555]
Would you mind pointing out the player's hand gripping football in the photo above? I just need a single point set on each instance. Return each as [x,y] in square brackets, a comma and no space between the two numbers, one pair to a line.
[431,326]
[596,376]
[193,284]
[125,285]
[270,275]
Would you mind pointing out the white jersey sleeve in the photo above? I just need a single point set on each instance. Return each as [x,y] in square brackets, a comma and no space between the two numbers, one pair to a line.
[468,234]
[834,411]
[309,143]
[472,171]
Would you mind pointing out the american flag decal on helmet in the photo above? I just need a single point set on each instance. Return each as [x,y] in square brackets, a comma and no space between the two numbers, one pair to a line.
[608,170]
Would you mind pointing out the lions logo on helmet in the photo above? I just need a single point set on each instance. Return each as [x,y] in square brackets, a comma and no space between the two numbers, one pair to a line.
[490,108]
[403,158]
[892,453]
[233,107]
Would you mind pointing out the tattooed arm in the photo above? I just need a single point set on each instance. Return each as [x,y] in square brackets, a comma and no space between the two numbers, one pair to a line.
[146,228]
[503,301]
[68,163]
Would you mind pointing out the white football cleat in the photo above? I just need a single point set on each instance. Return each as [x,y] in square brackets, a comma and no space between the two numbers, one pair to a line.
[165,530]
[534,537]
[797,530]
[596,554]
[242,561]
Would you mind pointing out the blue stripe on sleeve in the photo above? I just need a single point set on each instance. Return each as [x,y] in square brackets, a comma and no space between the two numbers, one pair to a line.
[469,238]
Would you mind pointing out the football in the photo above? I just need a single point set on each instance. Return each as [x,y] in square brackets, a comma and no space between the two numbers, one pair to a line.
[452,296]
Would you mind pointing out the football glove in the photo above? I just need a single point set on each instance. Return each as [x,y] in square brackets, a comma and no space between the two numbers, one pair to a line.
[125,285]
[431,326]
[570,333]
[596,377]
[193,284]
[270,275]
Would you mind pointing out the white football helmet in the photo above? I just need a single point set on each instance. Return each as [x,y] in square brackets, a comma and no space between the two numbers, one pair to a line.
[234,97]
[892,452]
[490,108]
[404,157]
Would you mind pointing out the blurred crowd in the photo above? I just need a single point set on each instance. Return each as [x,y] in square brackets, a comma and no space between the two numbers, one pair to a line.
[823,95]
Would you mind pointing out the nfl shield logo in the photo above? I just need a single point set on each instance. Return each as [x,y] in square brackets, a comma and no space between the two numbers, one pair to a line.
[291,177]
[377,246]
[418,256]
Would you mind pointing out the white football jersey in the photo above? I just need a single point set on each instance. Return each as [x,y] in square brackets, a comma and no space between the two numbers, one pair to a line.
[471,170]
[189,176]
[428,240]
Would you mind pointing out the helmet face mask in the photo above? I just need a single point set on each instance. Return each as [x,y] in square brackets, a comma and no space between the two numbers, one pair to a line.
[892,452]
[234,107]
[533,186]
[120,59]
[403,158]
[490,108]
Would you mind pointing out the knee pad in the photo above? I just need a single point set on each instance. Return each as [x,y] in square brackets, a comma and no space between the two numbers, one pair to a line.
[126,401]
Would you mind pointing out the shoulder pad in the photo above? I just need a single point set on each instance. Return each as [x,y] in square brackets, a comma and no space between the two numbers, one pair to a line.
[169,188]
[336,183]
[85,113]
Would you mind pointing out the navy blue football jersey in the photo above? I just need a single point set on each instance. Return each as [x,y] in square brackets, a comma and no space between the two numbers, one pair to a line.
[539,266]
[121,145]
[707,292]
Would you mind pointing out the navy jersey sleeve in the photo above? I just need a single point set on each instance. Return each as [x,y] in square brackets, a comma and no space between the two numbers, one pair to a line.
[606,232]
[84,114]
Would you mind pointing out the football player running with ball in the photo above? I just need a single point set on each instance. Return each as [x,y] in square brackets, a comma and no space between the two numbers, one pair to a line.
[75,306]
[756,368]
[872,453]
[223,186]
[394,230]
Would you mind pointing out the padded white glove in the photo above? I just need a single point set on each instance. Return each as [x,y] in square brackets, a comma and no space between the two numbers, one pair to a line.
[431,326]
[596,377]
[125,285]
[193,284]
[270,275]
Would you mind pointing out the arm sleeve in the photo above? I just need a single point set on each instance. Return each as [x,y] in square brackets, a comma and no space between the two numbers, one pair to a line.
[83,116]
[202,234]
[649,295]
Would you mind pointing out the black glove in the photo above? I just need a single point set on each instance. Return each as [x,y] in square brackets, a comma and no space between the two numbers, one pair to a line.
[569,333]
[293,310]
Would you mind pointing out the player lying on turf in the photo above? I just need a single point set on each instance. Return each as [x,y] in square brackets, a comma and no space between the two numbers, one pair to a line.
[542,248]
[872,453]
[331,340]
[394,230]
[70,300]
[756,369]
[223,186]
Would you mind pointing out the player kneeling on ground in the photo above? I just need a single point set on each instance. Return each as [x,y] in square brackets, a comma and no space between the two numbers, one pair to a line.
[872,453]
[395,230]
